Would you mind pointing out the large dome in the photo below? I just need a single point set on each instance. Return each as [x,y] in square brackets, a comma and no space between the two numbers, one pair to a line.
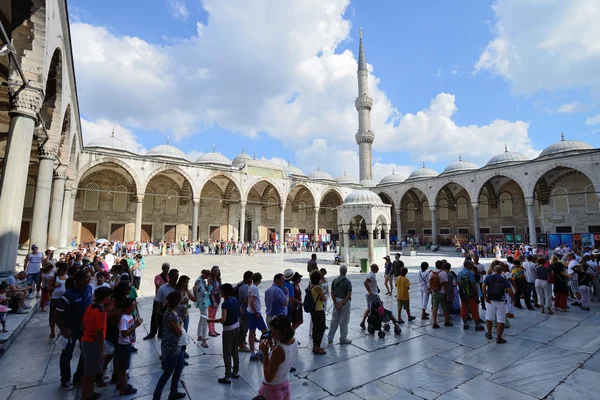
[289,169]
[167,151]
[565,146]
[511,157]
[363,197]
[240,160]
[109,143]
[422,173]
[346,179]
[214,158]
[392,178]
[319,175]
[460,166]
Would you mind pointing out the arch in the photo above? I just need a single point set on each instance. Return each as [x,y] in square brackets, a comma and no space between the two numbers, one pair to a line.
[332,191]
[562,176]
[560,199]
[51,105]
[110,160]
[211,186]
[448,195]
[73,159]
[91,197]
[414,189]
[462,208]
[179,170]
[64,140]
[172,202]
[413,198]
[148,203]
[592,205]
[301,193]
[267,194]
[506,204]
[29,192]
[492,193]
[537,175]
[232,185]
[120,199]
[358,227]
[271,182]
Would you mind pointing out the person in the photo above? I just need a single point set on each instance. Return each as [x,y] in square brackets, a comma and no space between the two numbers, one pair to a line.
[543,287]
[529,267]
[136,271]
[297,314]
[171,353]
[16,294]
[440,294]
[99,281]
[127,327]
[162,278]
[229,319]
[424,288]
[215,298]
[276,298]
[341,295]
[479,274]
[279,354]
[92,341]
[370,284]
[182,287]
[3,305]
[288,274]
[159,280]
[584,280]
[69,313]
[573,284]
[397,265]
[561,284]
[255,319]
[520,281]
[312,263]
[32,266]
[242,298]
[161,299]
[469,295]
[494,288]
[47,272]
[388,276]
[402,295]
[202,289]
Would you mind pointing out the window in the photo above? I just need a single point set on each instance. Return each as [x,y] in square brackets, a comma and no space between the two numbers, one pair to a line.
[444,231]
[427,231]
[508,230]
[328,213]
[485,230]
[484,208]
[506,209]
[271,209]
[172,202]
[91,197]
[148,204]
[426,211]
[443,207]
[461,205]
[411,231]
[560,200]
[302,211]
[594,229]
[288,210]
[463,231]
[564,229]
[410,212]
[120,199]
[592,204]
[29,193]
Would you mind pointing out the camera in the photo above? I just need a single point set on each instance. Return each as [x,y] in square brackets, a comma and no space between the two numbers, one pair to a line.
[266,336]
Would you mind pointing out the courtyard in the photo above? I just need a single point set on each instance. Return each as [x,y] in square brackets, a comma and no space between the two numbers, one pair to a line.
[545,357]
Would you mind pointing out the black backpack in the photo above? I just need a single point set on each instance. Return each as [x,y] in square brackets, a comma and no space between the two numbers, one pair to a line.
[495,288]
[236,291]
[309,303]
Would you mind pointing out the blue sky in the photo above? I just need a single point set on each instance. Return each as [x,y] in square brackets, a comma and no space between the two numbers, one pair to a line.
[279,78]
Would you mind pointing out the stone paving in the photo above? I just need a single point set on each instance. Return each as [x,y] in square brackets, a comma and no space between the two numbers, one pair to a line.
[552,357]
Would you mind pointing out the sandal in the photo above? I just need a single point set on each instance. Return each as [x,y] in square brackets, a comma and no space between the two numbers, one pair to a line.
[52,336]
[488,335]
[4,330]
[319,351]
[204,345]
[500,340]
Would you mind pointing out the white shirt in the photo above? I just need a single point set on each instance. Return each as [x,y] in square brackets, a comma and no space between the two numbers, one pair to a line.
[110,260]
[424,279]
[372,282]
[529,268]
[95,286]
[572,264]
[480,269]
[126,323]
[253,292]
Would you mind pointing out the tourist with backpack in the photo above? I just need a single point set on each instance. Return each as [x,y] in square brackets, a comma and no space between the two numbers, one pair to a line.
[440,294]
[494,288]
[468,295]
[240,293]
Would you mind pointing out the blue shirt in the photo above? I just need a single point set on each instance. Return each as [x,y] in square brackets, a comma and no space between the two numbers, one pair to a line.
[73,304]
[275,300]
[468,273]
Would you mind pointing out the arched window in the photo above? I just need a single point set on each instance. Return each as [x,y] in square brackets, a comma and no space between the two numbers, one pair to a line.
[426,211]
[271,209]
[288,210]
[484,208]
[29,193]
[328,213]
[172,202]
[461,205]
[560,200]
[302,211]
[591,199]
[120,199]
[443,210]
[91,197]
[148,204]
[506,209]
[410,212]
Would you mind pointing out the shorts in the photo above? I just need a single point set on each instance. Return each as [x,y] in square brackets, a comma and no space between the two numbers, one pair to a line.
[404,304]
[123,356]
[35,277]
[496,310]
[370,299]
[438,299]
[255,322]
[574,285]
[92,364]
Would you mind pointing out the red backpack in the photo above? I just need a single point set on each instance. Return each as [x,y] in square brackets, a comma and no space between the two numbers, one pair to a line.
[435,284]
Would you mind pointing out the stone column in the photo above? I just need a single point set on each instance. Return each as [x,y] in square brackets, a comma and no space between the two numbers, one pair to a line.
[531,222]
[476,222]
[242,221]
[43,190]
[71,217]
[139,207]
[399,226]
[195,220]
[316,210]
[58,193]
[346,254]
[281,224]
[66,217]
[23,118]
[387,241]
[371,246]
[433,225]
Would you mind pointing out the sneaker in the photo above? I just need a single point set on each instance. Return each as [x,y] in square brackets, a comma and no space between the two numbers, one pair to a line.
[400,321]
[362,325]
[67,385]
[21,311]
[448,324]
[224,381]
[235,375]
[244,349]
[38,295]
[100,383]
[127,391]
[576,304]
[465,327]
[411,318]
[147,337]
[345,341]
[478,328]
[254,357]
[30,296]
[177,395]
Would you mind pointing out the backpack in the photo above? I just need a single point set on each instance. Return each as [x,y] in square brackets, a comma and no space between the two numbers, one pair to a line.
[236,291]
[434,281]
[465,289]
[495,288]
[309,302]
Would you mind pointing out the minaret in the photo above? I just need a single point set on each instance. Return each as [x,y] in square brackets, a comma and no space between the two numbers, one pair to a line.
[363,103]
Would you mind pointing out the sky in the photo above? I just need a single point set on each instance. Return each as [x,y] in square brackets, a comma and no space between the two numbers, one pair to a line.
[277,79]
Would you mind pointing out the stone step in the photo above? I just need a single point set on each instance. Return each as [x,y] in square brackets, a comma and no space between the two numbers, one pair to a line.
[16,322]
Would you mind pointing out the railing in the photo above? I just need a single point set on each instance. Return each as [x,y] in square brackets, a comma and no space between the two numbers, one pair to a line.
[365,243]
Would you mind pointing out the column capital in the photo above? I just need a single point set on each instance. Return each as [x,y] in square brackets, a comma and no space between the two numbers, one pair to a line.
[433,209]
[398,211]
[243,204]
[316,210]
[73,193]
[48,153]
[60,173]
[26,101]
[530,202]
[139,198]
[475,206]
[196,202]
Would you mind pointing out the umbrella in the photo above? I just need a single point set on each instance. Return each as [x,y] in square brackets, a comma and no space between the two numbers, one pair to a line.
[101,241]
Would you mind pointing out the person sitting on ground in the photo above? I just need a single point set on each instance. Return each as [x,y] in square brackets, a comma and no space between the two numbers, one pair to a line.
[16,294]
[3,305]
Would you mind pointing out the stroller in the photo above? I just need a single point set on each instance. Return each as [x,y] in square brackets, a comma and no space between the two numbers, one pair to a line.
[379,319]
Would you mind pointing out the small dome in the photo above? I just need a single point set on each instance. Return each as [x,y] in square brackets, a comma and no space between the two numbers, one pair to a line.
[291,170]
[460,166]
[368,183]
[319,175]
[347,179]
[507,157]
[363,196]
[214,158]
[422,173]
[110,143]
[167,151]
[565,146]
[393,178]
[240,160]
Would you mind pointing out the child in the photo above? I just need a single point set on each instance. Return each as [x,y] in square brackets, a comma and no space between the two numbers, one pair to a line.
[3,305]
[231,330]
[47,274]
[92,341]
[402,288]
[127,326]
[99,281]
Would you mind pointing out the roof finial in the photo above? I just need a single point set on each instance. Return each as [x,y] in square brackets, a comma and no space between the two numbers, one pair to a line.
[505,148]
[562,137]
[459,157]
[289,163]
[318,168]
[214,148]
[168,139]
[255,156]
[423,164]
[360,32]
[393,171]
[113,132]
[344,171]
[243,150]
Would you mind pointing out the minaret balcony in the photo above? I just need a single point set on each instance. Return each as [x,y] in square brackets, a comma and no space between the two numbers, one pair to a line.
[365,137]
[363,102]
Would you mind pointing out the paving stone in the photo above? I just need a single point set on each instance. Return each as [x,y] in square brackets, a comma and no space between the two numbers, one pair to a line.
[577,386]
[479,388]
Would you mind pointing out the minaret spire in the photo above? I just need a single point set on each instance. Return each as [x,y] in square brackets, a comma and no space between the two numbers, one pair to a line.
[364,136]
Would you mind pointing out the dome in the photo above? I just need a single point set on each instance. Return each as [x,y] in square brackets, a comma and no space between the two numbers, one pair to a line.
[393,178]
[291,170]
[368,183]
[347,180]
[167,151]
[214,158]
[240,160]
[319,175]
[565,146]
[422,173]
[507,157]
[460,166]
[363,197]
[110,143]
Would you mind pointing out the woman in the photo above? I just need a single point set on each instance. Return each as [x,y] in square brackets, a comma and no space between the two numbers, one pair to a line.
[136,271]
[215,298]
[278,359]
[115,276]
[56,290]
[171,352]
[518,274]
[184,307]
[561,285]
[510,308]
[318,315]
[203,291]
[543,287]
[296,312]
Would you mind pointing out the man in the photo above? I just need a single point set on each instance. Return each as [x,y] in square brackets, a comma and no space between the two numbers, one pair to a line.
[16,294]
[242,298]
[469,294]
[159,280]
[69,313]
[480,270]
[440,294]
[372,292]
[160,301]
[312,264]
[388,276]
[255,320]
[573,282]
[397,266]
[276,298]
[341,294]
[529,267]
[49,257]
[494,288]
[110,259]
[288,274]
[33,265]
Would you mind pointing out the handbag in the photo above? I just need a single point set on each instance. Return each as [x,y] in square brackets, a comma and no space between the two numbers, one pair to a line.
[184,339]
[551,277]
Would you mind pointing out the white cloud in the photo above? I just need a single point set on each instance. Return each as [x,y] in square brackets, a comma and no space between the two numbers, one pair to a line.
[572,108]
[178,9]
[101,128]
[595,120]
[544,45]
[454,71]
